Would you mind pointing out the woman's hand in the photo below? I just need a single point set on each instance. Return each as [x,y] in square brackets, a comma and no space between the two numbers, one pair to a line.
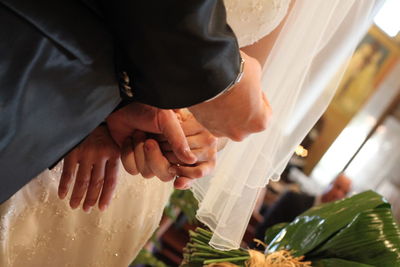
[95,162]
[155,157]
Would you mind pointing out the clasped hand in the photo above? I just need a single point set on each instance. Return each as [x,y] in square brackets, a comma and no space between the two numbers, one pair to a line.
[149,141]
[154,142]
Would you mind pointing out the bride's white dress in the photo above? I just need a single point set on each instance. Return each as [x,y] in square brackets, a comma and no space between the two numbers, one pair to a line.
[38,229]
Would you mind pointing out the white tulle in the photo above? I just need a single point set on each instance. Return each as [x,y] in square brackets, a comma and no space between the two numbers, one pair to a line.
[299,78]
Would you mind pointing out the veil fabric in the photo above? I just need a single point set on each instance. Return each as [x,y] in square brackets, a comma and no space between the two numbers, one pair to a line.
[300,77]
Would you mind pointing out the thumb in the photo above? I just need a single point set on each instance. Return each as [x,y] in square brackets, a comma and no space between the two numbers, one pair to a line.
[170,127]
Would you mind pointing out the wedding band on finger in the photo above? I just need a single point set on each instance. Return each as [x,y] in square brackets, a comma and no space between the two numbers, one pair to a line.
[177,176]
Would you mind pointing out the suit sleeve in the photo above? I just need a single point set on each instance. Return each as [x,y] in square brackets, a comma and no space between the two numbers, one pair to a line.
[177,53]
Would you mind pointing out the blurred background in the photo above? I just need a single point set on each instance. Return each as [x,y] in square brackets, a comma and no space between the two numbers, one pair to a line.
[354,147]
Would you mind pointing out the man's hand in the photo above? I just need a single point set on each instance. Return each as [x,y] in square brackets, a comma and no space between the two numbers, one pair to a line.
[124,123]
[202,143]
[241,111]
[156,158]
[97,161]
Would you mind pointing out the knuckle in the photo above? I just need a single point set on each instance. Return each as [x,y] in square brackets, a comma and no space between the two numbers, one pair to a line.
[116,154]
[115,157]
[111,183]
[147,175]
[98,183]
[66,174]
[166,178]
[90,201]
[82,183]
[212,154]
[131,170]
[211,140]
[198,173]
[237,135]
[212,164]
[260,124]
[112,163]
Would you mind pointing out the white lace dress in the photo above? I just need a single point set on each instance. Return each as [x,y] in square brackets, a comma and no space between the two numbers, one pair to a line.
[38,229]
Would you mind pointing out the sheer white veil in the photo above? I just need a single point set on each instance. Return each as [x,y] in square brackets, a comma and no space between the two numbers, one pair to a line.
[299,78]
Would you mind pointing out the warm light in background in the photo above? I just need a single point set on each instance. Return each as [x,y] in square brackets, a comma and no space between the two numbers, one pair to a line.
[301,151]
[388,18]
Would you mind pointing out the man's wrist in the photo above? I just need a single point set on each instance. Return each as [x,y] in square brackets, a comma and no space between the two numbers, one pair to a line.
[234,82]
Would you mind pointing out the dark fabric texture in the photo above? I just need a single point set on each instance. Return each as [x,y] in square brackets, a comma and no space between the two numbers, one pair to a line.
[177,53]
[288,206]
[58,77]
[57,83]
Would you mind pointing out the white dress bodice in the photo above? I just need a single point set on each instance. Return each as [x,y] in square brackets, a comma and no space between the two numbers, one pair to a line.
[253,19]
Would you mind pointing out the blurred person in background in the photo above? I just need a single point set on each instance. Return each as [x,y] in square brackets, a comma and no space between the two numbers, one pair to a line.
[291,204]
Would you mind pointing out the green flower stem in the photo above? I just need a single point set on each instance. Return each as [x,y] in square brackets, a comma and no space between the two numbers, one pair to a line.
[204,232]
[227,260]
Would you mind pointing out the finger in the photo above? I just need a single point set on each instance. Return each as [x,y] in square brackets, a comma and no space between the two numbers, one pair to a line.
[203,154]
[128,157]
[190,127]
[69,169]
[141,163]
[155,160]
[138,139]
[195,172]
[110,182]
[81,184]
[178,114]
[172,159]
[95,185]
[171,129]
[200,140]
[183,183]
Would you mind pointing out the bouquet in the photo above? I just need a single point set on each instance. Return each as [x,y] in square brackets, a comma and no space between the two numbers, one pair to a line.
[355,232]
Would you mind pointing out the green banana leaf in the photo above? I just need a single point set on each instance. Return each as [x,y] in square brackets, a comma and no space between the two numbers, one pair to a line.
[372,237]
[273,231]
[316,225]
[356,232]
[339,263]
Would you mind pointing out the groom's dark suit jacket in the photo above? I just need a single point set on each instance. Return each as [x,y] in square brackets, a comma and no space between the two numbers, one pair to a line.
[60,62]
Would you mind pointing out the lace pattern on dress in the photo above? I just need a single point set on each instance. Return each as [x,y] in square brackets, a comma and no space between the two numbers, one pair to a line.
[261,16]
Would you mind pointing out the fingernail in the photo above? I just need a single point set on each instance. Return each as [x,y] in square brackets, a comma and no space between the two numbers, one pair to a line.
[190,154]
[87,209]
[103,207]
[62,195]
[148,146]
